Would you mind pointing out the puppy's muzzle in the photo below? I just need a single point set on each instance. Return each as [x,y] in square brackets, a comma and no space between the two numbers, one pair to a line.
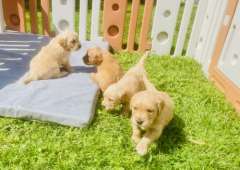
[139,122]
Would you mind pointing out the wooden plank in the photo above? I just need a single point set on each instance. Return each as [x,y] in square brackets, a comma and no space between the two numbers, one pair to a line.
[229,62]
[143,42]
[184,26]
[83,20]
[2,22]
[21,7]
[212,21]
[95,20]
[113,22]
[33,15]
[164,23]
[11,14]
[132,25]
[232,92]
[197,26]
[45,8]
[63,20]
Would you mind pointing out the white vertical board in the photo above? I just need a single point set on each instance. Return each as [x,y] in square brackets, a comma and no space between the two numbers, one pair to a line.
[184,26]
[2,22]
[197,26]
[229,62]
[216,24]
[95,19]
[83,13]
[164,23]
[211,24]
[63,12]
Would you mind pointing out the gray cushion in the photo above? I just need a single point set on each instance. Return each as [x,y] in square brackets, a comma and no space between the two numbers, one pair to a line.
[70,100]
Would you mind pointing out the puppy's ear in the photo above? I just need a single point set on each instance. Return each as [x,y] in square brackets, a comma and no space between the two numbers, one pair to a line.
[120,94]
[160,104]
[63,42]
[99,59]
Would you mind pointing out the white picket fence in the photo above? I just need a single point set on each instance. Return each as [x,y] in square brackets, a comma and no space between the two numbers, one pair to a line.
[209,16]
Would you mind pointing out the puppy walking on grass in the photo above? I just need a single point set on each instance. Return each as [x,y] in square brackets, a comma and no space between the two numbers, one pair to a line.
[122,91]
[53,60]
[152,111]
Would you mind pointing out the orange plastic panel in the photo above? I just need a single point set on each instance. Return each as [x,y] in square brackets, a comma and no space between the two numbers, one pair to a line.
[45,6]
[132,25]
[143,43]
[231,91]
[33,15]
[14,14]
[113,22]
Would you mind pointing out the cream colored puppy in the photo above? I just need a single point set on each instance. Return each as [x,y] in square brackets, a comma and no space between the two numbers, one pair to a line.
[109,70]
[122,91]
[151,113]
[53,60]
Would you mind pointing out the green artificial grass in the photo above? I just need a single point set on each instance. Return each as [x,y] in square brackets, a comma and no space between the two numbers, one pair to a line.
[203,135]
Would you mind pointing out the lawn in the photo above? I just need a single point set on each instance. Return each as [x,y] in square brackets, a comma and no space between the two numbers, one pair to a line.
[203,135]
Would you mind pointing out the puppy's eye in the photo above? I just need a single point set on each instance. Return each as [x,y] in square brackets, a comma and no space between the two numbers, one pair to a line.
[73,41]
[149,110]
[135,108]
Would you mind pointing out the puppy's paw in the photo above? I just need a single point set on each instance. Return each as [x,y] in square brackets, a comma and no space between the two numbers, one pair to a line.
[142,148]
[136,139]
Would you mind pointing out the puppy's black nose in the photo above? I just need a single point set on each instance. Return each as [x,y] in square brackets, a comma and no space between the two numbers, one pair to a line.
[85,59]
[79,46]
[139,122]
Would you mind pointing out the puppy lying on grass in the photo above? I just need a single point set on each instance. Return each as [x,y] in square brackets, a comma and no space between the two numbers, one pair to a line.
[152,111]
[53,60]
[109,70]
[122,91]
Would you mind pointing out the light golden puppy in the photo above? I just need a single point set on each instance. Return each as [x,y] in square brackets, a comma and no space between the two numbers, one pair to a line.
[109,70]
[151,113]
[122,91]
[53,60]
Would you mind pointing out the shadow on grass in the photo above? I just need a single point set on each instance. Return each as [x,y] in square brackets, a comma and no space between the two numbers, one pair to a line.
[173,137]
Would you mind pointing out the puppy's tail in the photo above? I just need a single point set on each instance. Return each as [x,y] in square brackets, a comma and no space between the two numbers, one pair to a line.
[148,85]
[142,60]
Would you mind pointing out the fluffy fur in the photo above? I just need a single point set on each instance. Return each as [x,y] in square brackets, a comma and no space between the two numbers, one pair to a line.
[53,60]
[151,113]
[122,91]
[109,70]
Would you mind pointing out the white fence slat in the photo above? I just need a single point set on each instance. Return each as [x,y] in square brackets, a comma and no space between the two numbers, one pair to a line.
[2,22]
[95,19]
[215,26]
[229,62]
[197,26]
[205,31]
[63,13]
[83,19]
[164,24]
[184,26]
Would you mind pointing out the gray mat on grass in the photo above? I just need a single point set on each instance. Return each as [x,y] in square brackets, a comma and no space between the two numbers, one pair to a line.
[70,100]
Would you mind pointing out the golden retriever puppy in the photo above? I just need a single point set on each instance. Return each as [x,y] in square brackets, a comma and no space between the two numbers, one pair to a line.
[53,60]
[151,113]
[122,91]
[109,70]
